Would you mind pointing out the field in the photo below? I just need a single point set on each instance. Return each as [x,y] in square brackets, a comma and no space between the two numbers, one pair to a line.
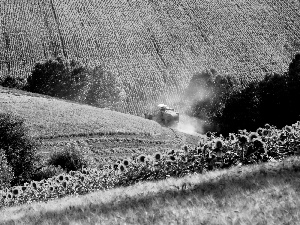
[108,134]
[260,194]
[173,189]
[152,47]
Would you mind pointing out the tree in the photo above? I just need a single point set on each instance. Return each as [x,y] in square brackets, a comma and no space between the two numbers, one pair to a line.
[59,78]
[104,89]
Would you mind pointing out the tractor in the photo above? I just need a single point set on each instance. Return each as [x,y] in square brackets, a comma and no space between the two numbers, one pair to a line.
[164,115]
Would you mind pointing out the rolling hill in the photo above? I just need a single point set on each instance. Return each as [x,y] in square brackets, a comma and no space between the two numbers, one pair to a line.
[108,134]
[153,47]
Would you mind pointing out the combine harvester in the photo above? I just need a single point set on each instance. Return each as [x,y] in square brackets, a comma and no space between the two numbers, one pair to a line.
[165,116]
[168,117]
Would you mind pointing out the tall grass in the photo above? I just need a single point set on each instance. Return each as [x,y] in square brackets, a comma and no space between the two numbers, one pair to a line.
[256,194]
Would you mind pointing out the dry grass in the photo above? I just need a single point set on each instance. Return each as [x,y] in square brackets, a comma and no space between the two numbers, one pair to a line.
[51,117]
[256,194]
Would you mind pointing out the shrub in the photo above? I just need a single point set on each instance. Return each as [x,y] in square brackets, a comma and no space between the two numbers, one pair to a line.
[69,159]
[104,90]
[6,172]
[207,94]
[272,100]
[19,148]
[71,80]
[46,172]
[13,82]
[59,78]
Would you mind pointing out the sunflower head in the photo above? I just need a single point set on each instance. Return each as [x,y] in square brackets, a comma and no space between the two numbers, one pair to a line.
[265,132]
[243,139]
[121,167]
[218,144]
[141,158]
[16,191]
[125,162]
[288,129]
[253,135]
[157,156]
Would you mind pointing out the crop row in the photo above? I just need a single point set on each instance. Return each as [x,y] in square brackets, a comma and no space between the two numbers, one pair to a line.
[266,144]
[157,45]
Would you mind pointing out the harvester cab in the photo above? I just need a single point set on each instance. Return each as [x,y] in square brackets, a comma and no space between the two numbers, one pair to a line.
[165,116]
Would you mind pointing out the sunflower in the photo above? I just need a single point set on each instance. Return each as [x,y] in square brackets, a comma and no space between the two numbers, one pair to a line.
[267,126]
[208,134]
[16,191]
[72,173]
[9,195]
[157,156]
[141,158]
[34,185]
[115,166]
[289,129]
[126,162]
[266,132]
[232,137]
[218,144]
[51,188]
[60,178]
[253,135]
[259,131]
[121,167]
[24,188]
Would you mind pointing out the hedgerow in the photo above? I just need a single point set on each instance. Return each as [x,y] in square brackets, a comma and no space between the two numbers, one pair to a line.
[213,152]
[272,100]
[69,79]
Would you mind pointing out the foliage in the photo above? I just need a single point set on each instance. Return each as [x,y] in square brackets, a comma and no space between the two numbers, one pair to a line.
[19,148]
[46,172]
[104,90]
[68,159]
[71,80]
[207,94]
[6,172]
[13,82]
[212,152]
[273,100]
[59,78]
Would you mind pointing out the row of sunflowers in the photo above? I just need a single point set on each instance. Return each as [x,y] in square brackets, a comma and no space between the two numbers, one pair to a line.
[213,152]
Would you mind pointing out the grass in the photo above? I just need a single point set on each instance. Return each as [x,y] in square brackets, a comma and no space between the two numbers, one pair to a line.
[258,194]
[51,117]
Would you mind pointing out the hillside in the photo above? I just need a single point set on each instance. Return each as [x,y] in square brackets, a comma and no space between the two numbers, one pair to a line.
[153,47]
[109,135]
[256,194]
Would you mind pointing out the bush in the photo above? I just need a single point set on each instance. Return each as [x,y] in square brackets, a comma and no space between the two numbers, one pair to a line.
[13,82]
[47,172]
[6,172]
[19,148]
[207,94]
[274,100]
[59,78]
[71,80]
[104,90]
[69,159]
